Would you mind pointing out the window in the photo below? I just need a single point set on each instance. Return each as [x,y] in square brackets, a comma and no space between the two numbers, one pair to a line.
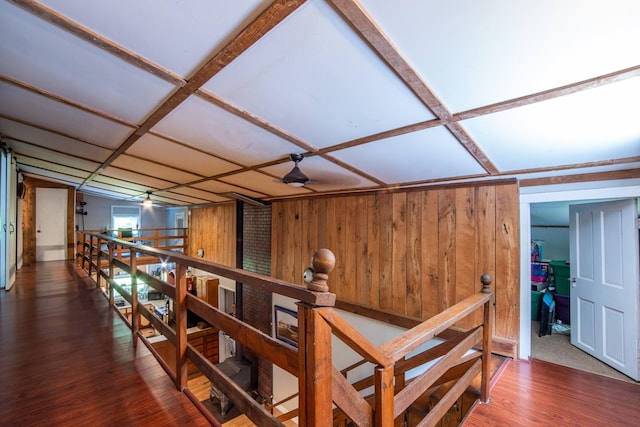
[125,217]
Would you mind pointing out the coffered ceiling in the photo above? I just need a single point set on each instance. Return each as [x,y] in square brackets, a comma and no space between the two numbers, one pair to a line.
[195,100]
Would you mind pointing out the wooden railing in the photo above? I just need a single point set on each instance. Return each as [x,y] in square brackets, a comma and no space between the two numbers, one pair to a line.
[320,384]
[460,359]
[170,239]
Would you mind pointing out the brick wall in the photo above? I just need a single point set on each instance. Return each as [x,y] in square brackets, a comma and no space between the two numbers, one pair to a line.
[256,249]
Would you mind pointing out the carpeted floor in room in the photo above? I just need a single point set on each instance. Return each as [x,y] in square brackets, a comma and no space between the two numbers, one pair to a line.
[556,348]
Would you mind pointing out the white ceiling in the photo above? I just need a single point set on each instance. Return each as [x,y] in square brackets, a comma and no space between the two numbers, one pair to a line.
[193,100]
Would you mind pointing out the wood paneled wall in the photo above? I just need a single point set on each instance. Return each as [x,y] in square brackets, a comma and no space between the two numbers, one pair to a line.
[29,219]
[410,253]
[214,230]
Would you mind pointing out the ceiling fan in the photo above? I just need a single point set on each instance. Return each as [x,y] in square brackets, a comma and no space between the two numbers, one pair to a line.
[295,177]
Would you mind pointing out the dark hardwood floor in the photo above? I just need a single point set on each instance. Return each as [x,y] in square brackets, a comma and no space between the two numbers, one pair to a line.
[540,393]
[66,359]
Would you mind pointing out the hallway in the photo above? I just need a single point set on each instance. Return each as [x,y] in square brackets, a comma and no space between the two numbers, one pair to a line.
[67,359]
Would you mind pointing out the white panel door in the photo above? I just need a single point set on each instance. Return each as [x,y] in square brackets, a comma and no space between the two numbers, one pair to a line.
[51,224]
[604,282]
[12,221]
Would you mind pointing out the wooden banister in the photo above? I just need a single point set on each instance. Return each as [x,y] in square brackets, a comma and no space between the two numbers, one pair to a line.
[455,360]
[320,384]
[399,347]
[270,348]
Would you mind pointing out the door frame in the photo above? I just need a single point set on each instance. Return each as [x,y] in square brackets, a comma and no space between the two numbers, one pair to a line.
[37,209]
[594,191]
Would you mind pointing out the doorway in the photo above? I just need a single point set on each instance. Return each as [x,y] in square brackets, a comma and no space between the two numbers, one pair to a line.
[550,235]
[51,224]
[560,195]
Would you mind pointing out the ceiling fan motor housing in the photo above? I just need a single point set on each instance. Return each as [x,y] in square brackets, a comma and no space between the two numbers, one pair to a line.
[295,177]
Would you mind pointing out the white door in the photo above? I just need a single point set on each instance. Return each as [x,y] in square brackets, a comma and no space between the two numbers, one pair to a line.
[4,231]
[604,272]
[12,221]
[51,224]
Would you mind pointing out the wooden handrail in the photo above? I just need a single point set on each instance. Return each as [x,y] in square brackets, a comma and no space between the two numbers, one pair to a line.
[320,384]
[453,363]
[265,283]
[398,347]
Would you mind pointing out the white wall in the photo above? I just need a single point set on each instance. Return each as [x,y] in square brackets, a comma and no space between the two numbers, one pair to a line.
[172,213]
[555,242]
[99,214]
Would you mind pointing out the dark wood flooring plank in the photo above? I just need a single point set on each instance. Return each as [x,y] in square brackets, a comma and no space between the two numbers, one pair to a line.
[67,359]
[543,394]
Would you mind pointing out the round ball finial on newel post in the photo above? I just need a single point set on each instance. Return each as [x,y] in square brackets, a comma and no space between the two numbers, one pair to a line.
[322,263]
[486,283]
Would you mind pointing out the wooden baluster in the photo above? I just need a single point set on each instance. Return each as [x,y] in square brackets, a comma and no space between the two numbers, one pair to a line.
[90,254]
[135,316]
[185,237]
[180,310]
[111,247]
[487,333]
[83,252]
[314,350]
[81,249]
[99,264]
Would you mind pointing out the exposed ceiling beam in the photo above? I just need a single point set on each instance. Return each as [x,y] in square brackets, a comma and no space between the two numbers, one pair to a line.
[569,89]
[264,23]
[364,24]
[586,177]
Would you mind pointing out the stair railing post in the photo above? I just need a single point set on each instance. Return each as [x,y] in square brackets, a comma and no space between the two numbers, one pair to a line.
[314,350]
[384,396]
[487,333]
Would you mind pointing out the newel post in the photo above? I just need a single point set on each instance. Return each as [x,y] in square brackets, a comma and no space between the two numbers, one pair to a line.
[314,350]
[487,332]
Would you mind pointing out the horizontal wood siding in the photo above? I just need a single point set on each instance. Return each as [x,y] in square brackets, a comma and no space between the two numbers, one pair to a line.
[214,230]
[411,253]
